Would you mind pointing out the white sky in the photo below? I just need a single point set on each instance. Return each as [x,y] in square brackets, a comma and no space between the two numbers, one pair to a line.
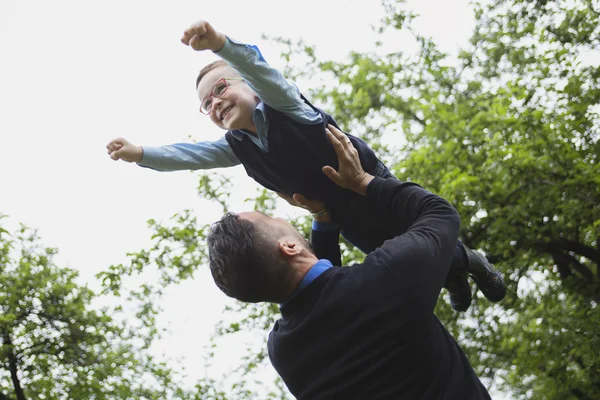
[76,74]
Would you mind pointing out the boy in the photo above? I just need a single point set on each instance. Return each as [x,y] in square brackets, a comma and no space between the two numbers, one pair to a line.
[280,139]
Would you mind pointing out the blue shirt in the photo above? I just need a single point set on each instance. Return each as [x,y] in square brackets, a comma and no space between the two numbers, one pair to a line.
[312,274]
[270,86]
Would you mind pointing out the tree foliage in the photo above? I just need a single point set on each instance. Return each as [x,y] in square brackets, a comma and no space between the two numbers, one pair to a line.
[55,343]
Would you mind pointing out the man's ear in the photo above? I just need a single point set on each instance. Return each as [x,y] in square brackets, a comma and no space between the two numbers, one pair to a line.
[289,247]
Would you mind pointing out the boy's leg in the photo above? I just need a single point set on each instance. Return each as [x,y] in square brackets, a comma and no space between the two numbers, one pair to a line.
[488,280]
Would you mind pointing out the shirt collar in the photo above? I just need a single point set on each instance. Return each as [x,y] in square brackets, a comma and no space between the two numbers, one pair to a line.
[313,273]
[258,116]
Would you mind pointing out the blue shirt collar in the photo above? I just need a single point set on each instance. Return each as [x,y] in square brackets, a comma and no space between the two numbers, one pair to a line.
[312,274]
[259,117]
[262,128]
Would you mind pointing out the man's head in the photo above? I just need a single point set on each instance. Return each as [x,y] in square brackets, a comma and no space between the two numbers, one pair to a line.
[255,258]
[234,107]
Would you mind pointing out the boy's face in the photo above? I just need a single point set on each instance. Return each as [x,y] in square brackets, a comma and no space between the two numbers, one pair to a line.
[233,110]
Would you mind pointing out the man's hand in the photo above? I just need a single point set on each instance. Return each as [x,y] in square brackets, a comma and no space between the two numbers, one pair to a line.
[202,36]
[299,200]
[313,206]
[121,149]
[351,174]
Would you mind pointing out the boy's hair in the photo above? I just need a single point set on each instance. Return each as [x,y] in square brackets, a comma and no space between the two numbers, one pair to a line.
[208,68]
[244,263]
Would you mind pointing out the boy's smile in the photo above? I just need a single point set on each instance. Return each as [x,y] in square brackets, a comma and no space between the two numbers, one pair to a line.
[234,108]
[225,113]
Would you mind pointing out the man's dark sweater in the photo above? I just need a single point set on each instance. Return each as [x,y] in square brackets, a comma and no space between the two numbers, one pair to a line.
[368,331]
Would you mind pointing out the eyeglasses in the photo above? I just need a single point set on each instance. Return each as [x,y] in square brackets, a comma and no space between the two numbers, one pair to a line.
[218,90]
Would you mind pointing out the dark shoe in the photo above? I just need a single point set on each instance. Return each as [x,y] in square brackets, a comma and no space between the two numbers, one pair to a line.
[459,290]
[488,280]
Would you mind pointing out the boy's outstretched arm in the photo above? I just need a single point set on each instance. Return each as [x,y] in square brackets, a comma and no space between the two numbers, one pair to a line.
[268,83]
[175,157]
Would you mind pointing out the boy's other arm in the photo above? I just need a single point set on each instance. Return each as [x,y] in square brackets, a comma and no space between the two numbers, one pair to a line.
[268,83]
[176,157]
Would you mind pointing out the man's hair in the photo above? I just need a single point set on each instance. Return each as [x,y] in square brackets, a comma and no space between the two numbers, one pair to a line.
[245,263]
[208,68]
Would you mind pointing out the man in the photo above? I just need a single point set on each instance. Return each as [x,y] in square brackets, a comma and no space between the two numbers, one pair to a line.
[361,332]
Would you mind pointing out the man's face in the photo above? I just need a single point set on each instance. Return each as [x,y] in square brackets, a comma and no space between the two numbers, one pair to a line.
[233,110]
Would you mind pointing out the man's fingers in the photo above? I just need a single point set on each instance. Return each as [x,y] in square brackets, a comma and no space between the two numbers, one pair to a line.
[341,143]
[300,199]
[337,145]
[339,135]
[286,197]
[342,149]
[308,204]
[331,174]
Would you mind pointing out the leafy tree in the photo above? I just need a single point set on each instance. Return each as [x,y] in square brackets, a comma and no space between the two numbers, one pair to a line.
[55,345]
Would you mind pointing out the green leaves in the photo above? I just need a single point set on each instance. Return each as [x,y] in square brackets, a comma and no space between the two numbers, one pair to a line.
[55,345]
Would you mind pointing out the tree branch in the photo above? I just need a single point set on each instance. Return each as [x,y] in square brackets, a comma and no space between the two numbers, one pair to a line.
[564,260]
[579,248]
[563,267]
[13,367]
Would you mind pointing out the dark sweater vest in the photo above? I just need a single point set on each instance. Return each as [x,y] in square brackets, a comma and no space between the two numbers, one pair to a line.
[297,152]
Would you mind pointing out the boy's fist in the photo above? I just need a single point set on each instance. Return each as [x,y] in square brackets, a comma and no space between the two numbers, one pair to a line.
[202,36]
[121,149]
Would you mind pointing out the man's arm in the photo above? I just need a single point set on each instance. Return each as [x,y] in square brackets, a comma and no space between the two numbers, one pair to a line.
[419,258]
[175,157]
